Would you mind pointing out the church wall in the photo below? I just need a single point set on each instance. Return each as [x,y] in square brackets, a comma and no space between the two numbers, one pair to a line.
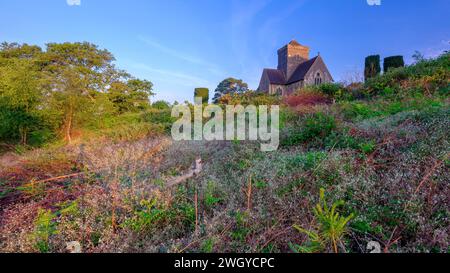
[289,57]
[275,88]
[294,87]
[264,85]
[318,67]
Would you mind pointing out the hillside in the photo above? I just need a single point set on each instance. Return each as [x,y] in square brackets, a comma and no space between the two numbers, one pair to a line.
[376,153]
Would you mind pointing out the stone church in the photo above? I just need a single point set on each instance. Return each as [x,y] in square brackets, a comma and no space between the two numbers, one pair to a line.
[295,70]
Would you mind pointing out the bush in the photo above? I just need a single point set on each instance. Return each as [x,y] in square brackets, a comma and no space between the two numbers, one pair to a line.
[315,126]
[161,105]
[333,90]
[393,62]
[306,99]
[249,98]
[162,118]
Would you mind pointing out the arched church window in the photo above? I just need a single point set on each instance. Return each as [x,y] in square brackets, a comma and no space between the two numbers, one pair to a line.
[318,79]
[279,92]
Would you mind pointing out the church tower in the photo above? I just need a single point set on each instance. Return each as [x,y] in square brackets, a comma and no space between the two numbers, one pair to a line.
[291,56]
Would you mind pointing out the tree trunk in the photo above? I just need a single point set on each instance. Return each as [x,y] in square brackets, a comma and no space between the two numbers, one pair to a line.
[23,136]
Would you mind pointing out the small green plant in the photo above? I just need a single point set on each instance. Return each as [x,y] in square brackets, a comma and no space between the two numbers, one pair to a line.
[241,230]
[33,189]
[368,147]
[331,228]
[261,184]
[149,213]
[208,245]
[45,227]
[212,195]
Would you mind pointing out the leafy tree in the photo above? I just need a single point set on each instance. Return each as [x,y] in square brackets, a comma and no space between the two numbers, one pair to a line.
[76,75]
[17,51]
[372,67]
[202,93]
[131,96]
[68,86]
[393,62]
[20,98]
[161,105]
[229,86]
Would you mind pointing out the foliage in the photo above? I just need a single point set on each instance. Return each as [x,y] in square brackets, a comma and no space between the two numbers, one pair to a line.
[161,105]
[66,88]
[212,195]
[393,62]
[305,98]
[20,98]
[45,227]
[372,66]
[150,213]
[332,227]
[333,90]
[202,93]
[426,77]
[249,98]
[130,96]
[229,86]
[317,125]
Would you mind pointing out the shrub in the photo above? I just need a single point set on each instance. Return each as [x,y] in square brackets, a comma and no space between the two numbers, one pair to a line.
[249,98]
[393,62]
[161,105]
[315,126]
[148,215]
[306,99]
[159,117]
[372,66]
[333,90]
[357,110]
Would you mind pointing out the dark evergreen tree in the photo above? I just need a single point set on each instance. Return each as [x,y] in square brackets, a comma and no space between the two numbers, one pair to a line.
[393,62]
[372,67]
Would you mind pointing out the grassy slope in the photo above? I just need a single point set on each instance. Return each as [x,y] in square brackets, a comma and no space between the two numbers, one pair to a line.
[385,156]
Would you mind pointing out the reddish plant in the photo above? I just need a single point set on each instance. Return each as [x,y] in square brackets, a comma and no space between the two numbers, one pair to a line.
[306,99]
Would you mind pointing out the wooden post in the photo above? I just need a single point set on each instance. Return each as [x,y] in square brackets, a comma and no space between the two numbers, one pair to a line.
[249,194]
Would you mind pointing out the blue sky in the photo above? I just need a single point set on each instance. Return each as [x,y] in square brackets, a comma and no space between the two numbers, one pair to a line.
[183,44]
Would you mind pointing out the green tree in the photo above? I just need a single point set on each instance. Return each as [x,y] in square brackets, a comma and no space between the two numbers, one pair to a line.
[202,93]
[21,95]
[230,86]
[161,105]
[372,67]
[130,96]
[77,75]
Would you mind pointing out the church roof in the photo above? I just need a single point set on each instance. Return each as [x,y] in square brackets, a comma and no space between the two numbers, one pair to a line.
[295,43]
[275,76]
[302,70]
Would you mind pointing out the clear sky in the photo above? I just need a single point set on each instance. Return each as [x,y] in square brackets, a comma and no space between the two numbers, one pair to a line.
[183,44]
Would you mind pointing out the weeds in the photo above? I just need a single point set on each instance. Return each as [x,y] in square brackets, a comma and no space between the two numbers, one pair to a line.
[45,227]
[331,227]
